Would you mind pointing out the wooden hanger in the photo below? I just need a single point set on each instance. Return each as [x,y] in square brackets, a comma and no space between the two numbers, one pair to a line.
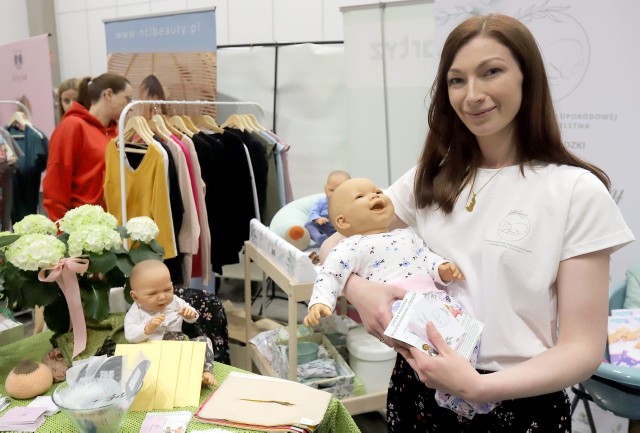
[234,121]
[172,129]
[206,121]
[138,125]
[189,123]
[254,121]
[158,125]
[179,124]
[20,119]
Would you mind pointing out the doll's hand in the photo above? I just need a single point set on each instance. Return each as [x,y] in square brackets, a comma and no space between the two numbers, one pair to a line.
[187,313]
[448,272]
[208,379]
[153,324]
[316,312]
[322,221]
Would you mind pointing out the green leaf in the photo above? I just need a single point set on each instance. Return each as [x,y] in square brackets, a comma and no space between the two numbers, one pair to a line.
[95,299]
[124,264]
[8,240]
[143,252]
[101,263]
[35,292]
[56,315]
[123,232]
[155,246]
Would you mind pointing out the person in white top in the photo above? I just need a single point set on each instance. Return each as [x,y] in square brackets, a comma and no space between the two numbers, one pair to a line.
[531,226]
[157,314]
[360,210]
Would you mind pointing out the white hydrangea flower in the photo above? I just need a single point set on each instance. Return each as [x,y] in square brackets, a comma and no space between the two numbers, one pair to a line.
[142,229]
[35,224]
[92,239]
[87,215]
[35,251]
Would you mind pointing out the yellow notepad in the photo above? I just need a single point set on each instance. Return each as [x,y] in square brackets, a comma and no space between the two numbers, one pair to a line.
[168,372]
[195,373]
[183,379]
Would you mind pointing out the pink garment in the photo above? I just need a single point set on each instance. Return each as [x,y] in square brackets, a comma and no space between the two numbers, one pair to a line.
[417,283]
[190,167]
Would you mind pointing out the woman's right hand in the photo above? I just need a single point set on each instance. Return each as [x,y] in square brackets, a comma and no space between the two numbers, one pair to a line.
[373,302]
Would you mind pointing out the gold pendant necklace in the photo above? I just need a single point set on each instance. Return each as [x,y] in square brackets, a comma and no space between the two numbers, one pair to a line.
[472,202]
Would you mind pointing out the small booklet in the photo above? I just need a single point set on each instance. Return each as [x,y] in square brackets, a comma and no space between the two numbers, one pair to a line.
[409,324]
[165,422]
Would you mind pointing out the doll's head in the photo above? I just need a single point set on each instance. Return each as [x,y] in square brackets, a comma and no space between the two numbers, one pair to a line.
[151,286]
[334,180]
[359,207]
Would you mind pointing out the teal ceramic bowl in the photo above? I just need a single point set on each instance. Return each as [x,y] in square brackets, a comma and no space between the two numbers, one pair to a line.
[307,352]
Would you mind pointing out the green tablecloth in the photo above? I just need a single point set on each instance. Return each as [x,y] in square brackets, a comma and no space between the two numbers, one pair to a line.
[336,419]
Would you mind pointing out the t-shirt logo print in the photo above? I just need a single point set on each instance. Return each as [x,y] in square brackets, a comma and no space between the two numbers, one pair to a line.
[514,227]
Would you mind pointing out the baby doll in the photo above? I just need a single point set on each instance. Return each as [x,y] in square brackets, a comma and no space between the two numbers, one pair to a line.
[319,226]
[360,211]
[157,314]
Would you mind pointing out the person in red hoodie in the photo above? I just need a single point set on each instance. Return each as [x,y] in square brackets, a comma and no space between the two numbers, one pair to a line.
[75,168]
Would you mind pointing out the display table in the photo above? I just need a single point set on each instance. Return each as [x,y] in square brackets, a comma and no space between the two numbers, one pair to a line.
[336,419]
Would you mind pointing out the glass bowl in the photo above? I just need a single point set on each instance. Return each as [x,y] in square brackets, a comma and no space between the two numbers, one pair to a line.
[106,418]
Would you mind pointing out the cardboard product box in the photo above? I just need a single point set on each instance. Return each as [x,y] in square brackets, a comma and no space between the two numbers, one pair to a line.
[10,330]
[342,386]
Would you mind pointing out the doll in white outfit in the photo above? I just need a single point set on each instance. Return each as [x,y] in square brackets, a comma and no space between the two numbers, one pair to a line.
[361,212]
[157,314]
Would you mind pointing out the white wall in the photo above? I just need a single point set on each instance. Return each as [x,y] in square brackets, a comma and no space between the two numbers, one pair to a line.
[15,23]
[81,32]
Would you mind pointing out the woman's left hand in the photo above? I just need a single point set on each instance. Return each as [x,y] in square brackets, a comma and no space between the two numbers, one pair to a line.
[448,371]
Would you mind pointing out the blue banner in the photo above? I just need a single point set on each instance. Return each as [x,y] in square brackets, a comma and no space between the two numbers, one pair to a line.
[188,31]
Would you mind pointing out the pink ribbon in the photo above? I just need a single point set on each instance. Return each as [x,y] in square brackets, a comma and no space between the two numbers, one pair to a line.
[64,273]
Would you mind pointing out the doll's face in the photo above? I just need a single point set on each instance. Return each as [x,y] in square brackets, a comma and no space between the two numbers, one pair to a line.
[358,206]
[152,288]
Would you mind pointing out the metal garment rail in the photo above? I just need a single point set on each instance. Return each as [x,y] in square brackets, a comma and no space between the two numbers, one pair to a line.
[19,104]
[121,125]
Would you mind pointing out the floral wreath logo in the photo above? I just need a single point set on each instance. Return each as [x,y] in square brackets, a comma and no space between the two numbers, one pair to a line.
[562,38]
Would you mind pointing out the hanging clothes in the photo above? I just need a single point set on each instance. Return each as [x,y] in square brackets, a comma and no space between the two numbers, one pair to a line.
[26,179]
[146,191]
[11,152]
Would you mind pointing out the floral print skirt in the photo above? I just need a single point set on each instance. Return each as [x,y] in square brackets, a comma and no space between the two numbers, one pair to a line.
[411,407]
[212,322]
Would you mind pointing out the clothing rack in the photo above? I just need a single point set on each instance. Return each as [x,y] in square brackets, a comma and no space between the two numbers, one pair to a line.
[121,125]
[19,104]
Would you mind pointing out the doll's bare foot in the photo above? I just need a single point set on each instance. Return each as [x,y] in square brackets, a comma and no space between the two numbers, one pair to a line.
[208,379]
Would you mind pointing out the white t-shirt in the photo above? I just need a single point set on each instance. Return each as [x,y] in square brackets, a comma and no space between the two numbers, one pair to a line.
[510,246]
[136,319]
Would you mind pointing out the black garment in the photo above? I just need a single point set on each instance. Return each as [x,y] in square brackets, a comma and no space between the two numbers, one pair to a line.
[211,323]
[237,205]
[211,157]
[26,179]
[259,163]
[411,407]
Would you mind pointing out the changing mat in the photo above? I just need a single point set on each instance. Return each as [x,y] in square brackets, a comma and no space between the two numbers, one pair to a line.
[293,261]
